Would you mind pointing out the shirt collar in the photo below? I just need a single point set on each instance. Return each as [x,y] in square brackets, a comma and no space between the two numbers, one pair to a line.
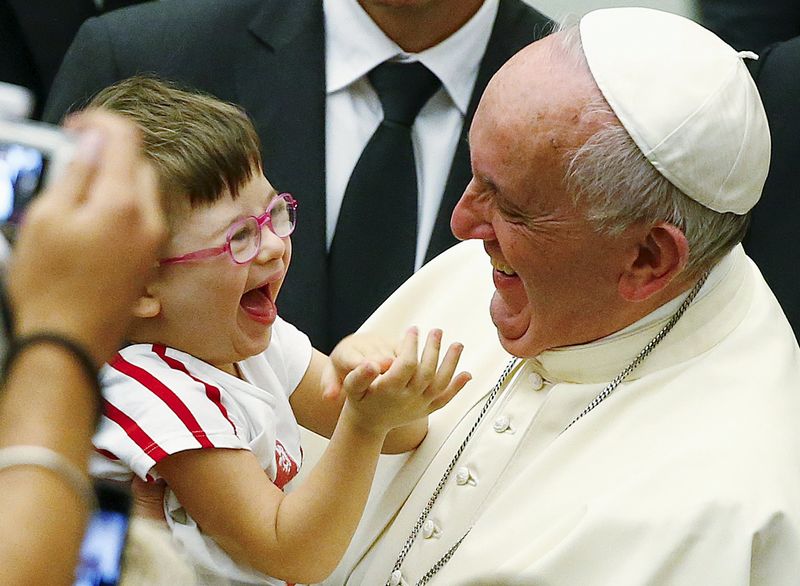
[354,45]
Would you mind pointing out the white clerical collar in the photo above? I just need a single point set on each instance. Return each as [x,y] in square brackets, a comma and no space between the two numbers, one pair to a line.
[718,308]
[355,45]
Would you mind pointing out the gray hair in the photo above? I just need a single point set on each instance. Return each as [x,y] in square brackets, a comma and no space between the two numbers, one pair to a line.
[620,187]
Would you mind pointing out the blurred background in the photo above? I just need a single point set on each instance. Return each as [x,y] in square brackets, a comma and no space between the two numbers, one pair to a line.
[559,9]
[35,34]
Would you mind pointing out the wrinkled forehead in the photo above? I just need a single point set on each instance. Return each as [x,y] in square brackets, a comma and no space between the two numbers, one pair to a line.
[539,99]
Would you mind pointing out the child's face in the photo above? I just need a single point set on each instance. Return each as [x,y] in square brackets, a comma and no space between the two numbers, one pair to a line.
[214,309]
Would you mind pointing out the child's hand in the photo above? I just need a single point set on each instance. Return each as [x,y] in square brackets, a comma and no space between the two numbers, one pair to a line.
[410,389]
[351,352]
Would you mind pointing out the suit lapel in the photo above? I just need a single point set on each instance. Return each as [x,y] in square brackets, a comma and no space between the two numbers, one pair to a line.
[282,85]
[516,26]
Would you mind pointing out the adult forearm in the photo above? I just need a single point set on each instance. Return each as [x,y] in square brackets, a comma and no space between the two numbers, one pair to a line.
[47,401]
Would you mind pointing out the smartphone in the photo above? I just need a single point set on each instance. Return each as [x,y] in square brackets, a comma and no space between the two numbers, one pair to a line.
[31,154]
[104,540]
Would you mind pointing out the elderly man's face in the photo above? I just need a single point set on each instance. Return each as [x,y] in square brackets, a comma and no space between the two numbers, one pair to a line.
[556,279]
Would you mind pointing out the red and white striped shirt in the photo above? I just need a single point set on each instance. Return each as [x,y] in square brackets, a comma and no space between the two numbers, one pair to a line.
[159,401]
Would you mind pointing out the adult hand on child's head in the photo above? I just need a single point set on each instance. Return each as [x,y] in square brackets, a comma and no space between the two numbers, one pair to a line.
[88,243]
[411,388]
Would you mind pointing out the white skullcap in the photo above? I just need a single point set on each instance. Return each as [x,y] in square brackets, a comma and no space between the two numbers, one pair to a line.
[687,100]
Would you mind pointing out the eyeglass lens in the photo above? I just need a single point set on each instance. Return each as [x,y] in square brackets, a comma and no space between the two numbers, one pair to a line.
[282,217]
[245,239]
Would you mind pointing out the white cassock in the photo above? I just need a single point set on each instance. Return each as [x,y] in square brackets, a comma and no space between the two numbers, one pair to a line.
[689,473]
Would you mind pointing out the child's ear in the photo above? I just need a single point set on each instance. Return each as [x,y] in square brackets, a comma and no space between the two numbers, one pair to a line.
[147,305]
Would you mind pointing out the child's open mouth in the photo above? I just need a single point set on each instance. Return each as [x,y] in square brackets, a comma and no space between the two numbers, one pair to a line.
[258,305]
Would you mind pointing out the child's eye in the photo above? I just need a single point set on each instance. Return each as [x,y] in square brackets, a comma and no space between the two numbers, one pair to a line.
[243,233]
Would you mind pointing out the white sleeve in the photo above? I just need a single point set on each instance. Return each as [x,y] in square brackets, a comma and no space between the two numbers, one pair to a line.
[154,408]
[289,354]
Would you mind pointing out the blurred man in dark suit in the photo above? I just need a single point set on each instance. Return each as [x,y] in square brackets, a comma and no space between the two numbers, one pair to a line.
[302,71]
[773,238]
[752,25]
[35,34]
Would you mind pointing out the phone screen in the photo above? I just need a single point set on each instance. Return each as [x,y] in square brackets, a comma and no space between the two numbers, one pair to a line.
[104,539]
[22,169]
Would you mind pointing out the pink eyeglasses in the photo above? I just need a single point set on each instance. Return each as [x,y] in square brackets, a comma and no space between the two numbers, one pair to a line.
[243,240]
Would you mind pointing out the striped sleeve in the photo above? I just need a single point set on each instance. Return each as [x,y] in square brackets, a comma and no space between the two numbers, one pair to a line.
[154,406]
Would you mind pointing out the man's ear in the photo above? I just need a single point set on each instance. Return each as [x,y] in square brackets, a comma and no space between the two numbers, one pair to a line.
[147,305]
[659,258]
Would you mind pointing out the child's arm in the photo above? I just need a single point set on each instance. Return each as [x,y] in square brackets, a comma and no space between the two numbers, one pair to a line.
[301,536]
[317,400]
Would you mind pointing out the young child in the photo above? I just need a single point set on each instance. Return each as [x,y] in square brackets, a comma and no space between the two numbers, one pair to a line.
[210,391]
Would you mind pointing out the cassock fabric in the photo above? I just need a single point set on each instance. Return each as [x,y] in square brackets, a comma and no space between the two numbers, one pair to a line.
[689,473]
[269,57]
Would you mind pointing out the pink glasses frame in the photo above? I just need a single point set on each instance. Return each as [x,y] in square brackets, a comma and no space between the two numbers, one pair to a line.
[217,250]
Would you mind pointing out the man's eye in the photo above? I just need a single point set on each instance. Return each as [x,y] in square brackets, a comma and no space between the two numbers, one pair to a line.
[512,216]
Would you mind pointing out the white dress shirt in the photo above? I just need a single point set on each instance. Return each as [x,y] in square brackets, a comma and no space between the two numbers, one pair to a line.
[354,45]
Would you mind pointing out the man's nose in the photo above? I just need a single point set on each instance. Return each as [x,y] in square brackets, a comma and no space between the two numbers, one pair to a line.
[470,220]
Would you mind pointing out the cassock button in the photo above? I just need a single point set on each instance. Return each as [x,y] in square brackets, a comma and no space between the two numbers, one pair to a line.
[536,381]
[464,476]
[501,424]
[396,578]
[429,529]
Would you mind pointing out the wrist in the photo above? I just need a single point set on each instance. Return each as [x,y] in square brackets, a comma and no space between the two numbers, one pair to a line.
[361,424]
[78,331]
[19,345]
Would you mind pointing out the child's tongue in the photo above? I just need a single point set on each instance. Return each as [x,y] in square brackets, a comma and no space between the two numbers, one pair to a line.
[259,306]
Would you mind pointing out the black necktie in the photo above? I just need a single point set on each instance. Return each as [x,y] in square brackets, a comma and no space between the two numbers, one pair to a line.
[374,245]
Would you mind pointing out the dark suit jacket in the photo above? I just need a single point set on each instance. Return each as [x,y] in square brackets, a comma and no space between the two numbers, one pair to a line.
[751,25]
[268,56]
[774,237]
[35,34]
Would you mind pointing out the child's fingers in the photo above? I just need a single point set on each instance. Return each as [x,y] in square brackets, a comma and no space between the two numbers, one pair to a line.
[331,384]
[446,369]
[356,349]
[348,358]
[384,363]
[331,392]
[330,381]
[358,380]
[458,382]
[381,353]
[426,371]
[405,365]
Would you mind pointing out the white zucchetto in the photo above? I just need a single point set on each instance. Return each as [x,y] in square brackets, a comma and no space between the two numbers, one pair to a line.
[687,100]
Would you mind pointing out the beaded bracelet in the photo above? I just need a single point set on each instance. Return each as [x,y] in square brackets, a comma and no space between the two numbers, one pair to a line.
[20,343]
[41,457]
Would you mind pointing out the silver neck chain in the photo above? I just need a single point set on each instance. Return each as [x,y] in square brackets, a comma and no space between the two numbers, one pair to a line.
[395,579]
